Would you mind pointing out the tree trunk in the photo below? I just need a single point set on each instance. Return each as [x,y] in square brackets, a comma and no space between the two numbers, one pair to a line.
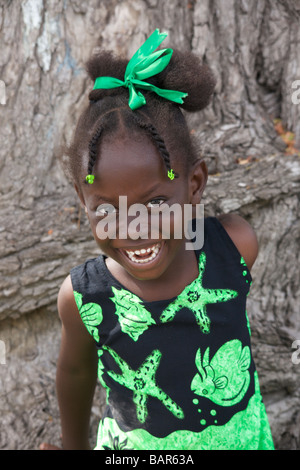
[249,135]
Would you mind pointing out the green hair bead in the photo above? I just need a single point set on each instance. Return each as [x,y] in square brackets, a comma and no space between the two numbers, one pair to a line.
[171,174]
[90,178]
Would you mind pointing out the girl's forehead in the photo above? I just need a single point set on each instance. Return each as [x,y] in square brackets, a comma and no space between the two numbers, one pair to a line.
[127,154]
[131,167]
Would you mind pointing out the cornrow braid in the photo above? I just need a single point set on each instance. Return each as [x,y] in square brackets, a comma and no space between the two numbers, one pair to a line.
[93,153]
[159,143]
[185,71]
[148,127]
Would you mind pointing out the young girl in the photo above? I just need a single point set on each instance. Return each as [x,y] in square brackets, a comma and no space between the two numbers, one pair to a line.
[165,327]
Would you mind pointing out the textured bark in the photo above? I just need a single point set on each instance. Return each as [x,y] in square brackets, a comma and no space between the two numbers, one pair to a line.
[254,50]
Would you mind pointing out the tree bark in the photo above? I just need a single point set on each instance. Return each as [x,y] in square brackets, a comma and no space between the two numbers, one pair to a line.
[254,51]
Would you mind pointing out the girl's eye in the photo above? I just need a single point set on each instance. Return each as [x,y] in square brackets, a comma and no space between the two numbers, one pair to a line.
[155,203]
[105,209]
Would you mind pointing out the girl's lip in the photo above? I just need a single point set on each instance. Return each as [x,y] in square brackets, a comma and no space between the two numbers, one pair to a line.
[143,256]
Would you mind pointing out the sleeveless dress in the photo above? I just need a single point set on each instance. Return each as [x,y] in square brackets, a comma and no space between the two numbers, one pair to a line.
[178,373]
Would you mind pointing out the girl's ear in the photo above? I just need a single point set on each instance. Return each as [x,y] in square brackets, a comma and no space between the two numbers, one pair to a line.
[198,180]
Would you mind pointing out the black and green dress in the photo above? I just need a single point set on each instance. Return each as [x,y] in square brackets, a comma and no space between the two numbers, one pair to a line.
[178,373]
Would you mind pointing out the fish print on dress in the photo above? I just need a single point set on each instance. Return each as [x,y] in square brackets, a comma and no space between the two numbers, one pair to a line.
[225,378]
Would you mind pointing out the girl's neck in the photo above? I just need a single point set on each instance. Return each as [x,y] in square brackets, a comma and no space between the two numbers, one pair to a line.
[182,271]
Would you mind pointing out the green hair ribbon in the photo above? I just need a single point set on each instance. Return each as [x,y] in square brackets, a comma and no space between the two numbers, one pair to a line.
[144,64]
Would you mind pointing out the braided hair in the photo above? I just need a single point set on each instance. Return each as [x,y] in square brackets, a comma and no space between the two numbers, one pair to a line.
[157,140]
[159,119]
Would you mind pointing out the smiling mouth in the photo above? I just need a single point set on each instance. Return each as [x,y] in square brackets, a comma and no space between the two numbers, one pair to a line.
[144,255]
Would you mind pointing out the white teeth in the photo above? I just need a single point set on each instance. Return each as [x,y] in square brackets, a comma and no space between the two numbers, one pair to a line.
[154,250]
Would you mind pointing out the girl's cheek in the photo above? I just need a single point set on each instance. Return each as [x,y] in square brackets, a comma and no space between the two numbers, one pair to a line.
[171,225]
[105,228]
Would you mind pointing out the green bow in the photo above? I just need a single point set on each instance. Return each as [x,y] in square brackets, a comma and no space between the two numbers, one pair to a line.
[144,64]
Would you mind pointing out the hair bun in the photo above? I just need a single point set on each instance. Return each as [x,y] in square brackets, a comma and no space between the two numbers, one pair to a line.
[186,73]
[105,64]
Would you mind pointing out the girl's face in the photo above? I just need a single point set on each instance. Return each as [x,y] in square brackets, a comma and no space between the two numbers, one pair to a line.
[134,169]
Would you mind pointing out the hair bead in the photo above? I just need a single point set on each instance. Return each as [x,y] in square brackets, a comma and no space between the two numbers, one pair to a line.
[171,174]
[90,179]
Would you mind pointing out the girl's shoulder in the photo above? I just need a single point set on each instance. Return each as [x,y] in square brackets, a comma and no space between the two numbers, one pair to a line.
[242,235]
[68,310]
[65,301]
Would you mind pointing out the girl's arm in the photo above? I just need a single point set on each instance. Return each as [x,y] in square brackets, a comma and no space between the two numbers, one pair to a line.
[242,235]
[76,372]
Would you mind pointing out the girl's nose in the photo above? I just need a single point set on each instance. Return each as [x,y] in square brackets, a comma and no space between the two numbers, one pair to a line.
[136,227]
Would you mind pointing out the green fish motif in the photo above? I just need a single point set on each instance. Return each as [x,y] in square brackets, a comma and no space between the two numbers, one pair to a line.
[196,297]
[91,315]
[225,379]
[133,317]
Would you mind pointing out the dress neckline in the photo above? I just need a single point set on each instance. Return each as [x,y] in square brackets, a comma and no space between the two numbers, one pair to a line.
[117,283]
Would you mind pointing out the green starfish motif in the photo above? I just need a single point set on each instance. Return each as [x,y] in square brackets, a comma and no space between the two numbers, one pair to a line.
[196,297]
[133,317]
[142,383]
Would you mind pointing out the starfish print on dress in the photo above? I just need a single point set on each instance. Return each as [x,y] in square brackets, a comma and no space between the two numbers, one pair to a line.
[196,297]
[142,383]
